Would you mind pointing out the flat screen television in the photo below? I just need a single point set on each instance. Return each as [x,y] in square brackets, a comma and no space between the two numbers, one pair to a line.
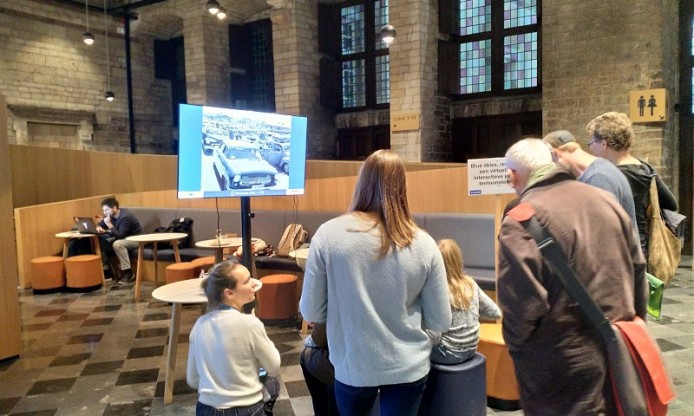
[224,152]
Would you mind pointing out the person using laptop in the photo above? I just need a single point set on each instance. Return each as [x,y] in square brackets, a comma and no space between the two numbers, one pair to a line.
[116,225]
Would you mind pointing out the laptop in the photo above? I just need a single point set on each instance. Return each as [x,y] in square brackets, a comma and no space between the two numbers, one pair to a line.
[85,225]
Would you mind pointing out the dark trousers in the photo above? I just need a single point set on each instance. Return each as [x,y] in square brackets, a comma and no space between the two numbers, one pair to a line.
[395,399]
[322,395]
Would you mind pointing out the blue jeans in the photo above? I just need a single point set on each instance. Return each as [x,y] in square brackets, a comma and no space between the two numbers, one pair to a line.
[396,399]
[442,355]
[272,388]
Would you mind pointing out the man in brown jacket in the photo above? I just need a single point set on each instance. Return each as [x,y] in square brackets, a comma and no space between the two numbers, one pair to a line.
[559,359]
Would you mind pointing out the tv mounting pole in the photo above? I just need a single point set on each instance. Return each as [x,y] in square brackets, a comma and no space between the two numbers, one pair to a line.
[246,217]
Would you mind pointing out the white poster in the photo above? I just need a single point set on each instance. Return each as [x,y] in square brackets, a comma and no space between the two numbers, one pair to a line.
[488,177]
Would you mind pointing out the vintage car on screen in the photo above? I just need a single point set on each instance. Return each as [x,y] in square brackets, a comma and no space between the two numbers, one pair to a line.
[212,138]
[241,165]
[277,154]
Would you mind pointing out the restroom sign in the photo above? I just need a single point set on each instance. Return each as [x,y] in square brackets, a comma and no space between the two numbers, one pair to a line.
[648,105]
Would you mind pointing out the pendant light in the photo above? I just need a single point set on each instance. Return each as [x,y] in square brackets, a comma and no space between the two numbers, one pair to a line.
[109,95]
[213,7]
[87,37]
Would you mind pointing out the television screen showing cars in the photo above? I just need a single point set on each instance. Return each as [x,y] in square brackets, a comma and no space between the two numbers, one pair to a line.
[227,152]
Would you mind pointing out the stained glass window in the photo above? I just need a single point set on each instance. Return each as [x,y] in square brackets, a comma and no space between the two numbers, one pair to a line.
[383,79]
[520,61]
[519,13]
[475,16]
[353,84]
[475,67]
[352,29]
[499,45]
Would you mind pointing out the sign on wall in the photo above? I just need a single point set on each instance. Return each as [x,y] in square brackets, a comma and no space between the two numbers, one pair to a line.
[404,121]
[488,177]
[648,105]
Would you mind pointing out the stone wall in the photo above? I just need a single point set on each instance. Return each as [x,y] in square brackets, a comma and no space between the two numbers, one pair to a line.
[595,52]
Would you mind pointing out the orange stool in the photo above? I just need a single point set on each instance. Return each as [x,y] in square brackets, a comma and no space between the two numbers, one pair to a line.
[502,387]
[277,298]
[84,273]
[204,263]
[181,271]
[47,274]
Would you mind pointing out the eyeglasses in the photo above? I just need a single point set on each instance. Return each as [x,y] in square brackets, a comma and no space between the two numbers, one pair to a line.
[594,140]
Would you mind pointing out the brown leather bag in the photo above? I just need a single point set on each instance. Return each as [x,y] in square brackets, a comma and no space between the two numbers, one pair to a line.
[664,248]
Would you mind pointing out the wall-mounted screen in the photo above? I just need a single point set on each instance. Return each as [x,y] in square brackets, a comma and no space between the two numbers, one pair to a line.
[224,152]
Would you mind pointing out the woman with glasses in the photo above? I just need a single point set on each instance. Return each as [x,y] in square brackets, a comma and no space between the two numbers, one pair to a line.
[612,136]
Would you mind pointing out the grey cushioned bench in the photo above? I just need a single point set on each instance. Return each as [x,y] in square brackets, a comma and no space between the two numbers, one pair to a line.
[473,232]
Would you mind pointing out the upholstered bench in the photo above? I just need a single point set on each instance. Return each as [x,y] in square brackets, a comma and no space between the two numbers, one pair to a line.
[454,390]
[47,274]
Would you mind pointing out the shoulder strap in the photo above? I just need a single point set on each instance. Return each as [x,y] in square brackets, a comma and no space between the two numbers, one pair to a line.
[566,275]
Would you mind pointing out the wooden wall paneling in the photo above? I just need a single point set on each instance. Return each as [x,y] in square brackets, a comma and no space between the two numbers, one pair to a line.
[10,323]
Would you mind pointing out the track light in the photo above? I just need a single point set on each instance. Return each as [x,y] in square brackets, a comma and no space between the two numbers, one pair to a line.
[109,96]
[387,34]
[88,38]
[222,13]
[213,6]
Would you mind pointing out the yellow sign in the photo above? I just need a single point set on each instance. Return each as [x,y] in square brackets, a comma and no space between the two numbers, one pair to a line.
[404,121]
[648,105]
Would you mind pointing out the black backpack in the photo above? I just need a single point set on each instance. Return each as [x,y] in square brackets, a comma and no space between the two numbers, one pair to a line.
[178,225]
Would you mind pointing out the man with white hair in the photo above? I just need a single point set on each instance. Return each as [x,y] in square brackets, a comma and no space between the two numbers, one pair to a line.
[558,357]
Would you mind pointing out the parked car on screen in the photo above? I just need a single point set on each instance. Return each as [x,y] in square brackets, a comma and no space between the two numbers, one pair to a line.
[239,164]
[277,154]
[212,138]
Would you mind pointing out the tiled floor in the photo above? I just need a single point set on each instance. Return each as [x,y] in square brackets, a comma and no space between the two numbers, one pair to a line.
[103,353]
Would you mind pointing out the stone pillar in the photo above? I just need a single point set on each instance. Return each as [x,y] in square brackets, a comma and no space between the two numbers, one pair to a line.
[297,71]
[414,80]
[207,59]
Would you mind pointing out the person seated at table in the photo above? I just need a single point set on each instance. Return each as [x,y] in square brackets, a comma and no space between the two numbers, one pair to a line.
[79,246]
[114,227]
[468,304]
[228,348]
[319,373]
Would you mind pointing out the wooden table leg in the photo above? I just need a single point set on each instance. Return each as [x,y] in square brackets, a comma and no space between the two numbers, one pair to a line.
[97,250]
[177,254]
[138,273]
[173,349]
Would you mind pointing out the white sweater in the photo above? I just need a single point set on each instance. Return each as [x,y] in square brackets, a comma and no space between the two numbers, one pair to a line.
[227,348]
[376,310]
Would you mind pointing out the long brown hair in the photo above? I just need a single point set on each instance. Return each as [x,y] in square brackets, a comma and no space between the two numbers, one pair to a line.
[381,196]
[460,285]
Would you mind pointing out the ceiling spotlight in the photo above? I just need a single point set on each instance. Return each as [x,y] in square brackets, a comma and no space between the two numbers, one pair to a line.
[222,13]
[213,6]
[387,34]
[88,38]
[109,96]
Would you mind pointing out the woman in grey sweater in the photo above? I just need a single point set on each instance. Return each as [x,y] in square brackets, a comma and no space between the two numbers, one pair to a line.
[468,303]
[377,280]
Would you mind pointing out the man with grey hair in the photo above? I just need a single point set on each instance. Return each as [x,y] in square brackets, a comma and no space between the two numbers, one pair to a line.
[558,357]
[567,153]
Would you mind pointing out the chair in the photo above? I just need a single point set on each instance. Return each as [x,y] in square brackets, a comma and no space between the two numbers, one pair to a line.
[204,263]
[181,271]
[456,390]
[84,273]
[47,274]
[502,387]
[277,299]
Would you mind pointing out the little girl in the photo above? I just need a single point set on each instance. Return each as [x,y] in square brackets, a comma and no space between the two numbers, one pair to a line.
[468,303]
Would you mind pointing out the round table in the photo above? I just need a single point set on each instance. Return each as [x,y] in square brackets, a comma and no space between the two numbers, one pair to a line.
[153,238]
[219,244]
[179,293]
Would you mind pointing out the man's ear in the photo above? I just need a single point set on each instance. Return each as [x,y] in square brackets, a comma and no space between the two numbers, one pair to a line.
[516,181]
